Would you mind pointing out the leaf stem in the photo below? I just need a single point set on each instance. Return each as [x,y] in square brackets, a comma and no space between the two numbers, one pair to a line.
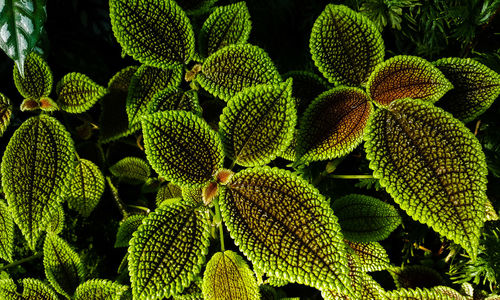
[218,222]
[116,196]
[140,208]
[365,176]
[21,261]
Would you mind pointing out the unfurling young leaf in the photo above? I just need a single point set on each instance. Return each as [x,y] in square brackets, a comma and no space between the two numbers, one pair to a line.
[372,256]
[167,251]
[258,123]
[63,267]
[175,99]
[99,289]
[6,232]
[406,77]
[77,93]
[285,228]
[85,188]
[5,113]
[333,124]
[132,170]
[306,87]
[33,289]
[235,67]
[436,171]
[35,167]
[227,25]
[166,192]
[475,87]
[37,80]
[411,277]
[364,218]
[154,32]
[345,45]
[227,276]
[126,229]
[181,147]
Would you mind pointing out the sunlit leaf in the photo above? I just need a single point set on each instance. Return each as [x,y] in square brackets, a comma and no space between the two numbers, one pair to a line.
[436,171]
[175,99]
[416,276]
[126,229]
[372,256]
[306,87]
[490,213]
[56,223]
[435,293]
[33,289]
[167,191]
[132,170]
[6,233]
[406,77]
[99,289]
[85,188]
[345,45]
[5,113]
[77,93]
[192,292]
[37,79]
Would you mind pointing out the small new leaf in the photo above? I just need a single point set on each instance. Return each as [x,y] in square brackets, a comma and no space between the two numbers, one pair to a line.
[37,79]
[99,289]
[6,232]
[85,188]
[33,289]
[126,229]
[77,93]
[306,87]
[5,113]
[372,256]
[175,99]
[166,192]
[56,224]
[132,170]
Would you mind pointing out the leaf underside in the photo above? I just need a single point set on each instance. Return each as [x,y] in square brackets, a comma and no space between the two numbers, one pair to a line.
[372,256]
[99,289]
[37,79]
[175,99]
[77,93]
[85,188]
[5,113]
[306,87]
[6,232]
[131,169]
[32,289]
[126,229]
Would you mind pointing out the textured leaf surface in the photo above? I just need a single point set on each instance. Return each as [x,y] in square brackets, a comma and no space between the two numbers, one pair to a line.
[227,25]
[436,293]
[181,147]
[258,123]
[35,166]
[475,87]
[410,277]
[85,188]
[235,67]
[365,219]
[306,87]
[126,229]
[6,232]
[99,289]
[175,99]
[131,169]
[154,32]
[5,113]
[33,289]
[167,191]
[406,77]
[63,267]
[167,251]
[77,93]
[285,227]
[372,256]
[432,166]
[37,79]
[227,276]
[56,224]
[345,45]
[334,124]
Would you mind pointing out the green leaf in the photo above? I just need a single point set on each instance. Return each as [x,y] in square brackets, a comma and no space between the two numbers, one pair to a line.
[285,228]
[167,251]
[146,82]
[56,224]
[416,276]
[436,171]
[35,166]
[181,147]
[154,32]
[345,45]
[227,25]
[197,7]
[258,123]
[166,192]
[227,276]
[372,256]
[37,80]
[406,76]
[126,229]
[63,267]
[5,113]
[85,188]
[306,87]
[6,233]
[77,93]
[175,99]
[22,24]
[99,289]
[435,293]
[33,289]
[192,292]
[364,218]
[235,67]
[475,87]
[333,124]
[132,170]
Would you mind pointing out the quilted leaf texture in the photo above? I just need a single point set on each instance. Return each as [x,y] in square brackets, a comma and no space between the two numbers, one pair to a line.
[227,25]
[406,76]
[435,293]
[126,229]
[146,82]
[63,267]
[364,218]
[22,24]
[410,277]
[35,165]
[227,276]
[306,87]
[99,289]
[333,124]
[175,99]
[432,166]
[167,251]
[6,232]
[131,169]
[56,224]
[258,123]
[166,192]
[372,256]
[475,87]
[181,147]
[33,289]
[154,32]
[77,93]
[5,113]
[85,188]
[345,45]
[285,228]
[235,67]
[37,79]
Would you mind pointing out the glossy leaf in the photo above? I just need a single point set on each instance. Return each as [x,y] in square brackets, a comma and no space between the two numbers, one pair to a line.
[475,87]
[333,124]
[126,229]
[364,218]
[285,228]
[258,123]
[56,224]
[167,191]
[131,169]
[5,113]
[227,25]
[77,93]
[345,45]
[306,87]
[85,188]
[154,32]
[416,276]
[33,289]
[227,276]
[181,147]
[99,289]
[235,67]
[372,256]
[6,233]
[175,99]
[35,166]
[435,293]
[167,251]
[406,77]
[436,171]
[37,79]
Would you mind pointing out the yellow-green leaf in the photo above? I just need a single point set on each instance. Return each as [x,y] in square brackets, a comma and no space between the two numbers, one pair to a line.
[77,93]
[99,289]
[175,99]
[33,289]
[415,276]
[372,256]
[435,293]
[306,87]
[6,232]
[132,170]
[167,191]
[5,113]
[126,229]
[85,188]
[56,224]
[37,79]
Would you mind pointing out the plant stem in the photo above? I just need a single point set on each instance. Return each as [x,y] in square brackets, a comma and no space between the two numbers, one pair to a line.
[351,176]
[140,208]
[21,261]
[116,196]
[218,222]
